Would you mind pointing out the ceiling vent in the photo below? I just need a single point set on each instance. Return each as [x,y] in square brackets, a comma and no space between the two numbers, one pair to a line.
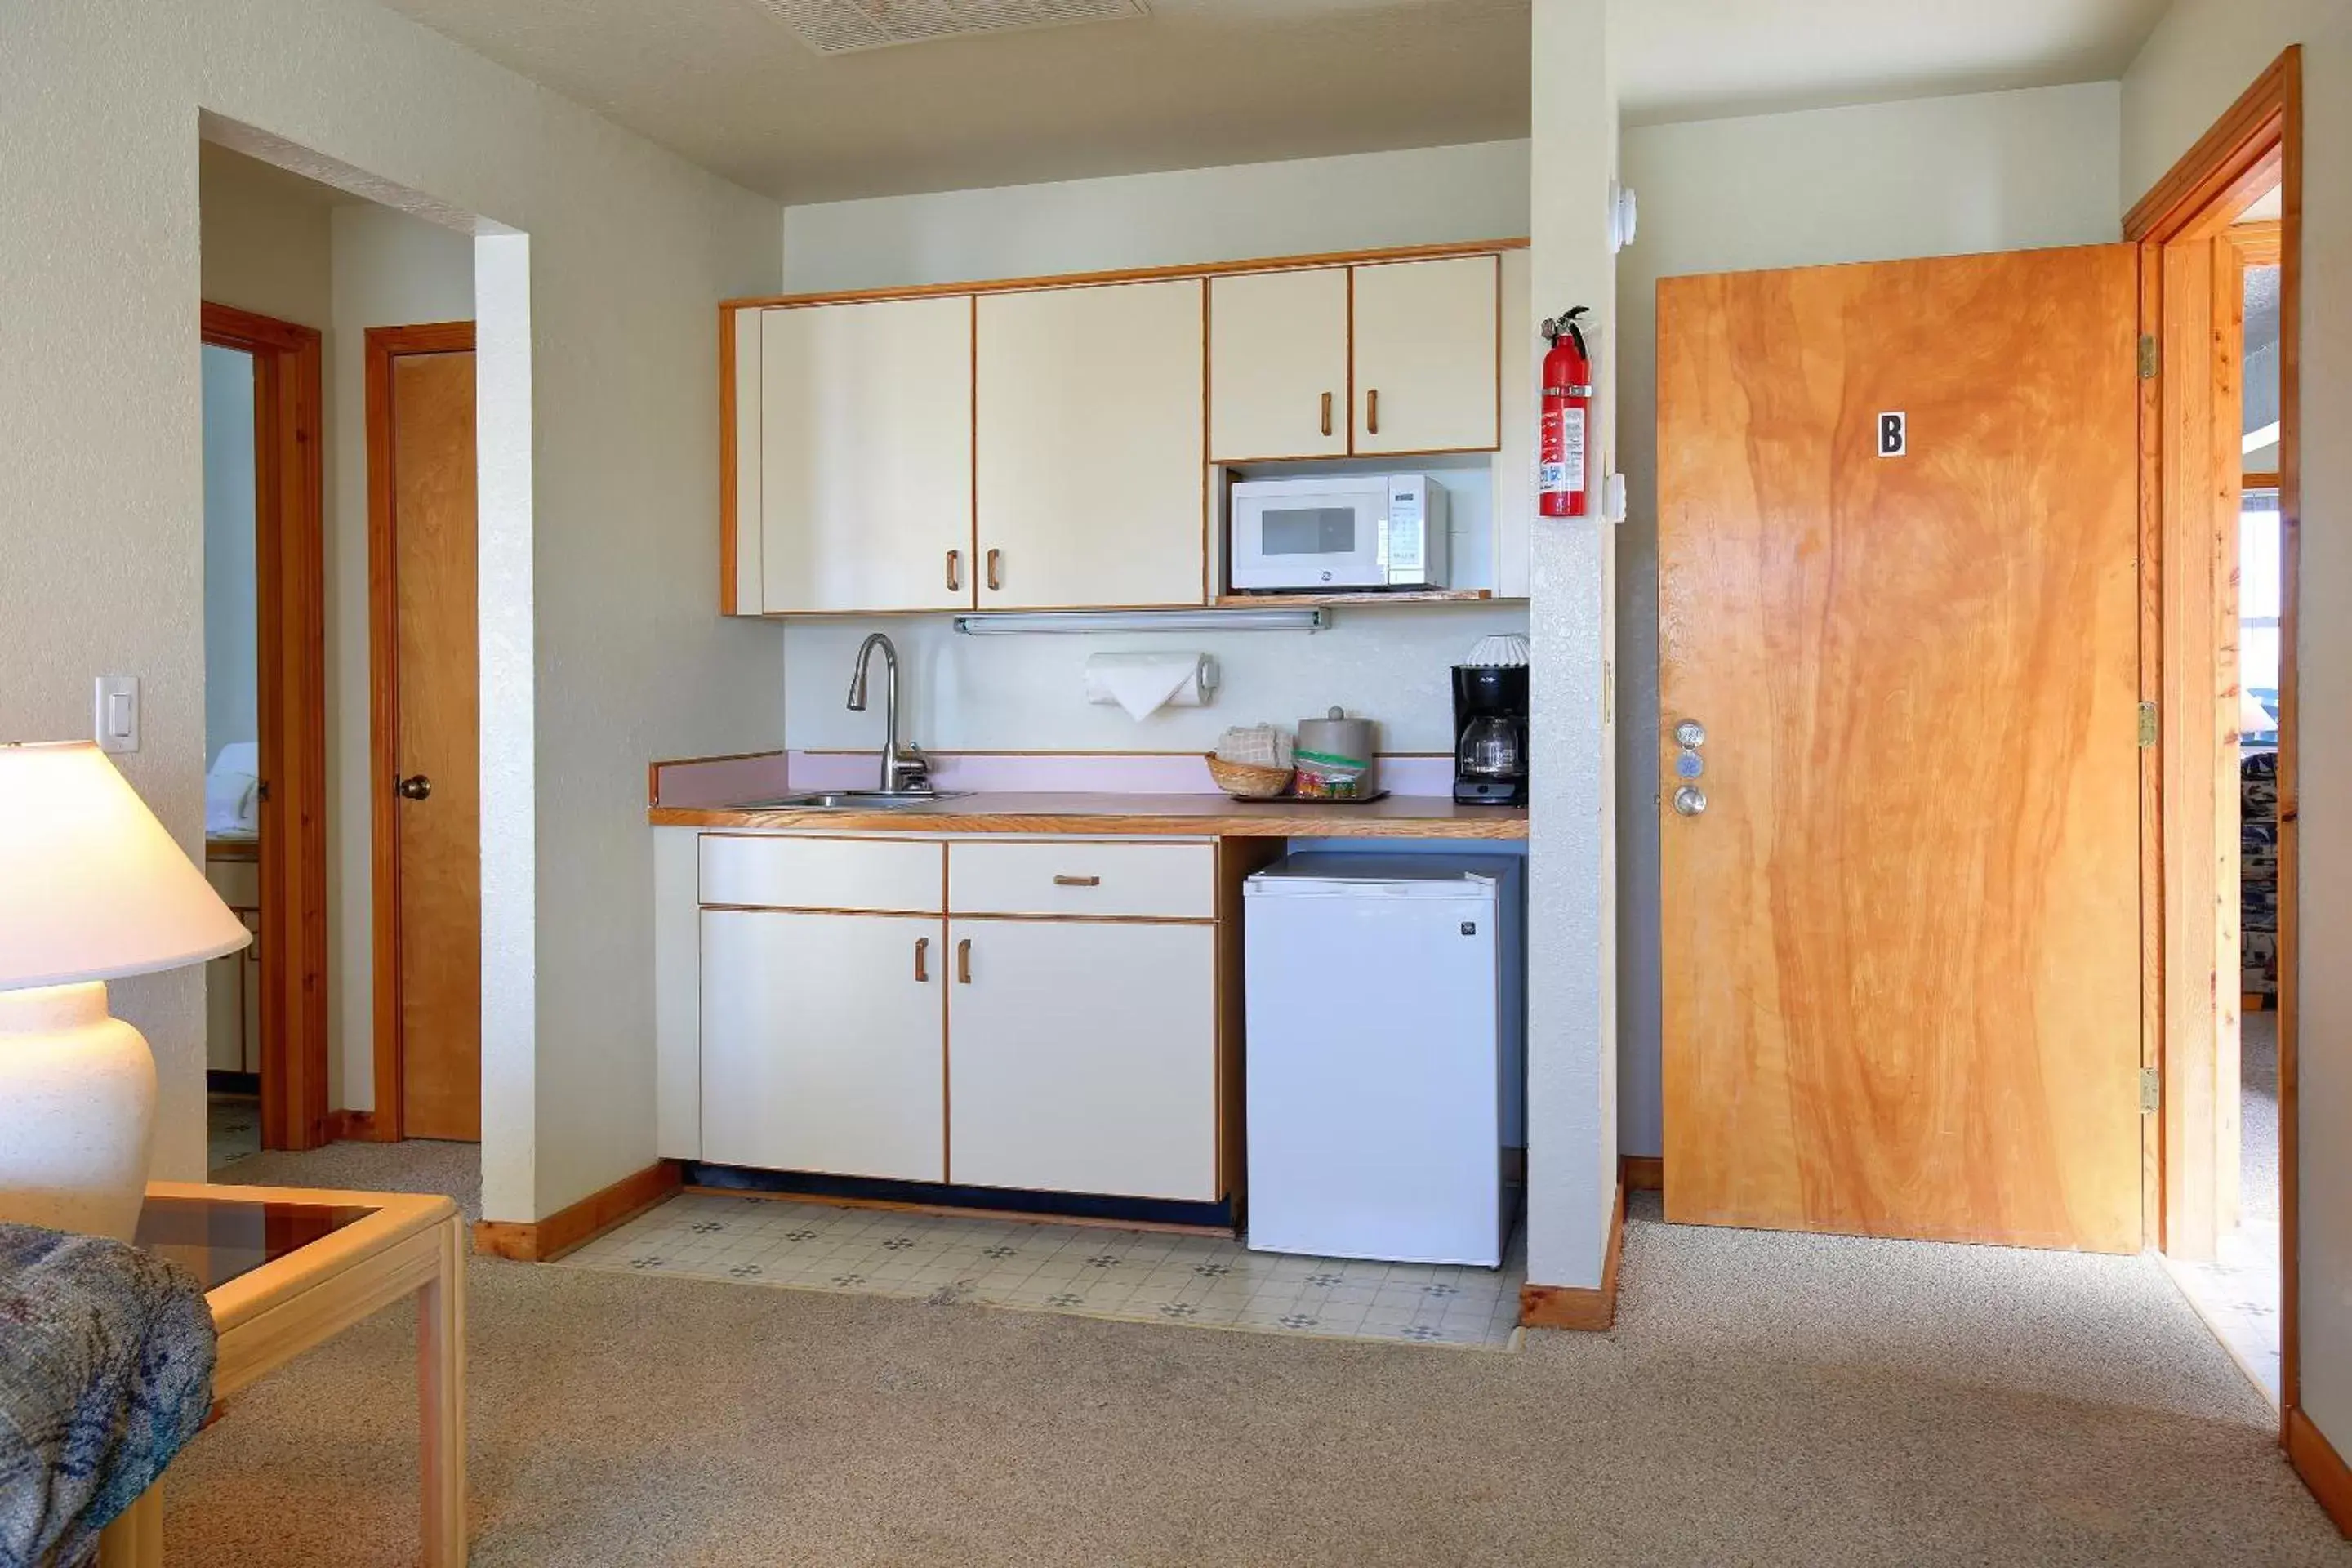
[847,26]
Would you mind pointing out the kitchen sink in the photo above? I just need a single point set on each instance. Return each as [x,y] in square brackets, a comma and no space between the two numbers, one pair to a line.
[849,800]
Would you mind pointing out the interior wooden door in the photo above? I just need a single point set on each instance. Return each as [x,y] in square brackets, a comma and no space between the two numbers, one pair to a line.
[433,731]
[1901,940]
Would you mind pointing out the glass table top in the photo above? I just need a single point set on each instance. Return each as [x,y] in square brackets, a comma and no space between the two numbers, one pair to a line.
[217,1239]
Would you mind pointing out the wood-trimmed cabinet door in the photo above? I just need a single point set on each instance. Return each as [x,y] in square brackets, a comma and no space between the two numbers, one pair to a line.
[1426,341]
[1092,479]
[1278,365]
[1082,1058]
[822,1042]
[865,441]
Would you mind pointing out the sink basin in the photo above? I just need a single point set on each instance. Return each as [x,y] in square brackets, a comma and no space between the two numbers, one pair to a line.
[849,800]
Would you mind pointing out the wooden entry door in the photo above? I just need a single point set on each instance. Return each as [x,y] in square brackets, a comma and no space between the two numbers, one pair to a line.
[1901,939]
[427,741]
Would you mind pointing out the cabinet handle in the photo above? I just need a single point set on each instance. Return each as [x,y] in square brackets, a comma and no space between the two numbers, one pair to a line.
[1062,881]
[955,570]
[1327,413]
[964,962]
[995,570]
[1372,412]
[922,960]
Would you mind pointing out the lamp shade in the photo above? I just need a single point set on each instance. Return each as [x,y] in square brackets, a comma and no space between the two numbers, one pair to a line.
[91,886]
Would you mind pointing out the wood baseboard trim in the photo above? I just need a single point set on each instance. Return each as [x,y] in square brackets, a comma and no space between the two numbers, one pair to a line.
[1580,1308]
[581,1223]
[355,1127]
[2323,1469]
[1643,1172]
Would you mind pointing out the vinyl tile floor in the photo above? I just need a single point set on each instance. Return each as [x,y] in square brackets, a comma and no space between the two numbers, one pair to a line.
[1091,1271]
[233,1128]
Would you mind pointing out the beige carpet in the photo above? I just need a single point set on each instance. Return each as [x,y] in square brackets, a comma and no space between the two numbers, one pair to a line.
[1766,1399]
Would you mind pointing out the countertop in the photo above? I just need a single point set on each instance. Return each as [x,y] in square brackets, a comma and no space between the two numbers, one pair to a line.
[1169,815]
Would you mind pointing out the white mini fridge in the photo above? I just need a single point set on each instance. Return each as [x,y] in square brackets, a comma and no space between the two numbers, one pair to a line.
[1386,1006]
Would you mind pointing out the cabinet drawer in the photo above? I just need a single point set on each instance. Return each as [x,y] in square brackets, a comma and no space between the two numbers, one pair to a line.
[876,874]
[1083,877]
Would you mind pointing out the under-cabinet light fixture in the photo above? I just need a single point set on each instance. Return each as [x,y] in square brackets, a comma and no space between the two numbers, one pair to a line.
[1002,623]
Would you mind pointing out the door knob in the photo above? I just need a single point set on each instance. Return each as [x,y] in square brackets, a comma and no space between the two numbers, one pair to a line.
[415,786]
[1690,800]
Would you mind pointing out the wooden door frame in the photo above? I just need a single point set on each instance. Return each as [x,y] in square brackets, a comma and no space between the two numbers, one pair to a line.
[290,555]
[2258,143]
[385,344]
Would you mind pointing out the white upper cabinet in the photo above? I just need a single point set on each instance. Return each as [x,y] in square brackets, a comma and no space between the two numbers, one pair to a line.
[1425,340]
[1278,365]
[1091,473]
[866,442]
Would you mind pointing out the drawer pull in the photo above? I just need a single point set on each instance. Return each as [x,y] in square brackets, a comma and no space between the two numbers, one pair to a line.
[1327,413]
[1067,881]
[995,571]
[955,570]
[964,962]
[1372,412]
[922,960]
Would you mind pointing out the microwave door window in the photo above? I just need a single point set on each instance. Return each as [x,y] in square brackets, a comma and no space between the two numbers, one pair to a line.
[1291,531]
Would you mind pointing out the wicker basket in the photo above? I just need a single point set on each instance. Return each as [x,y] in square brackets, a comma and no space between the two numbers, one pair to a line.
[1246,781]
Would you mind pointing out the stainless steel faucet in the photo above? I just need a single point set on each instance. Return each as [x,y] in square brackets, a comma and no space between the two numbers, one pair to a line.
[905,770]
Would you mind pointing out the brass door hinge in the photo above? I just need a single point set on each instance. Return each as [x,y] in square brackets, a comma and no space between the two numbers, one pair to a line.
[2147,725]
[2151,1091]
[2147,359]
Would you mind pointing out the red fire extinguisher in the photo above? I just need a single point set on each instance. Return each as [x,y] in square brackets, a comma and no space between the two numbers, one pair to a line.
[1561,482]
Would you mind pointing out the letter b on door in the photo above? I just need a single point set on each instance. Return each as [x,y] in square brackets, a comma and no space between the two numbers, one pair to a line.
[1890,435]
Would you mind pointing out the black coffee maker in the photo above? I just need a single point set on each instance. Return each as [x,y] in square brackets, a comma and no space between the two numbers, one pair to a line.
[1490,730]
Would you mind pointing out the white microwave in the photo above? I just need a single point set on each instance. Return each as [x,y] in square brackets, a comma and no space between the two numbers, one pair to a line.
[1362,531]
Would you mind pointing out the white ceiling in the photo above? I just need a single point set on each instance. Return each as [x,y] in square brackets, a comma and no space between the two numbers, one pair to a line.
[1203,82]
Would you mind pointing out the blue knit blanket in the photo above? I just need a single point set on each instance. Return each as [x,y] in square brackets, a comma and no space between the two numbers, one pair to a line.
[106,1372]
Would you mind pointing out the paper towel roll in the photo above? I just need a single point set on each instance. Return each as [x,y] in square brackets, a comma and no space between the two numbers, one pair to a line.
[1144,683]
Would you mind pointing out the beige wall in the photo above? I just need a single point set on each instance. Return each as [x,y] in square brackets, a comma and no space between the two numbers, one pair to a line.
[2203,55]
[601,649]
[1996,171]
[265,239]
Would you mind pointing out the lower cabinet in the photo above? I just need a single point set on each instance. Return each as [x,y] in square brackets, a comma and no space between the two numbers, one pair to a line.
[1082,1058]
[1013,1043]
[820,1043]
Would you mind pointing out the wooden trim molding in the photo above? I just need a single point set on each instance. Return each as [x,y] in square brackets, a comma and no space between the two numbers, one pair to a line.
[2258,142]
[2233,162]
[575,1225]
[1587,1310]
[1643,1172]
[355,1127]
[1132,275]
[2323,1469]
[383,345]
[289,555]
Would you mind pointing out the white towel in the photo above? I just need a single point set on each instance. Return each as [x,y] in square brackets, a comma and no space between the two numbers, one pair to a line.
[233,789]
[1144,683]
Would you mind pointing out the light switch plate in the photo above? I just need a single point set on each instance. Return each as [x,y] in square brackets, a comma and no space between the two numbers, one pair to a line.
[116,720]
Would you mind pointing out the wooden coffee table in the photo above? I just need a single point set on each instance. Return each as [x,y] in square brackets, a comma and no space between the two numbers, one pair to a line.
[286,1267]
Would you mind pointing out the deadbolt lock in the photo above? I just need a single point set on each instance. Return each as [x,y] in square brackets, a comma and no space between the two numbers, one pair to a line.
[1690,734]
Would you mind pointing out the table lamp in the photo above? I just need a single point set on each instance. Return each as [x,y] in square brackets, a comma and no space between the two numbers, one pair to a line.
[91,888]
